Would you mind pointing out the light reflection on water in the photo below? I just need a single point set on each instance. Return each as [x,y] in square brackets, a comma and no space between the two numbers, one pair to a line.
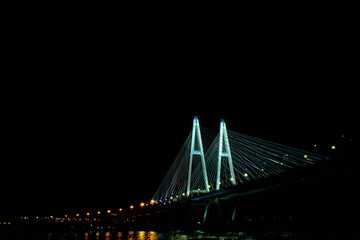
[144,235]
[131,235]
[172,235]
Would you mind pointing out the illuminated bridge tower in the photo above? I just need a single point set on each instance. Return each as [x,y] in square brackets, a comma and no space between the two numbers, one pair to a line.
[197,149]
[224,151]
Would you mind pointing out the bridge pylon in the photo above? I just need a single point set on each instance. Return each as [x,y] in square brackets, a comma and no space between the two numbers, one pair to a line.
[224,151]
[197,149]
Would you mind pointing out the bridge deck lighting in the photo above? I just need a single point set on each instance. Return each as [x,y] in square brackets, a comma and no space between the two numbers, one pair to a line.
[152,201]
[87,214]
[108,211]
[120,209]
[263,158]
[142,204]
[132,207]
[98,212]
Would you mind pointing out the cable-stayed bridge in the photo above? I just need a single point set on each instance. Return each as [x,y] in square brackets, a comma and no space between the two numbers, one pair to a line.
[225,178]
[232,180]
[210,161]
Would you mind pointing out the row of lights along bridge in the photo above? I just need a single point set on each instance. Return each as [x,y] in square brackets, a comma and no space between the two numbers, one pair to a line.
[93,215]
[87,216]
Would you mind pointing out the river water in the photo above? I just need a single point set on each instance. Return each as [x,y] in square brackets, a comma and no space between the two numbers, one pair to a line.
[172,235]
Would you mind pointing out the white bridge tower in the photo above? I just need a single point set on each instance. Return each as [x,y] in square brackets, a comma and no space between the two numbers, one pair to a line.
[196,138]
[224,151]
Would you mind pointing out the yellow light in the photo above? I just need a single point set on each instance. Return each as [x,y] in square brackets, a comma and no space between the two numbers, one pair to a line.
[120,209]
[152,201]
[246,175]
[142,204]
[87,214]
[333,147]
[99,212]
[108,211]
[77,214]
[132,207]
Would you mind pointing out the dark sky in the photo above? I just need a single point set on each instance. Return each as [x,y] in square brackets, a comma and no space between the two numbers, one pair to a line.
[96,121]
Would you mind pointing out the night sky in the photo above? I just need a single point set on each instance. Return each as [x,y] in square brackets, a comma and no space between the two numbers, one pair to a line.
[95,122]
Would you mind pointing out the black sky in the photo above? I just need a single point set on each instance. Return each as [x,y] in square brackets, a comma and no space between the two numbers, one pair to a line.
[95,120]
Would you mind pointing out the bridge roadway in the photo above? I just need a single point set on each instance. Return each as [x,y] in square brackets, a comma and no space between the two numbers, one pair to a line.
[300,198]
[277,196]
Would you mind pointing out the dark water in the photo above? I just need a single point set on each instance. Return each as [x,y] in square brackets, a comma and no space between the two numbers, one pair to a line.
[173,235]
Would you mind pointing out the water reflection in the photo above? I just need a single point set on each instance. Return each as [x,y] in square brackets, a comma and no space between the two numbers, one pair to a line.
[102,235]
[142,235]
[151,235]
[107,236]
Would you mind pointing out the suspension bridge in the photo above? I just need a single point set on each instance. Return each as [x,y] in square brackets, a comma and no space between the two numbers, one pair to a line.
[225,178]
[214,174]
[211,161]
